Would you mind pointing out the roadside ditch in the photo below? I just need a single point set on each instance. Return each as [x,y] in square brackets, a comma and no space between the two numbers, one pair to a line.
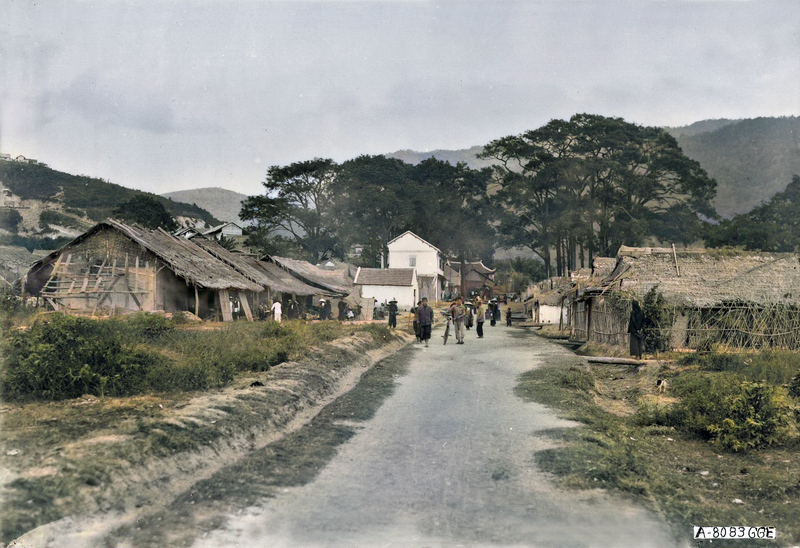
[79,471]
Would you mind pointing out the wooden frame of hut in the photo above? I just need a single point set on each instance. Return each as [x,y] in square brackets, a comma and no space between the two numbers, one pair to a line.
[114,266]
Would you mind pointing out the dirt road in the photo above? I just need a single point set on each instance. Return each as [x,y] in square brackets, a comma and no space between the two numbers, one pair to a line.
[447,461]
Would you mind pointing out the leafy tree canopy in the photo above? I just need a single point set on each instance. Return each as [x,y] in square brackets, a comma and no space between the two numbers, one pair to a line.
[591,184]
[10,220]
[145,211]
[773,226]
[299,201]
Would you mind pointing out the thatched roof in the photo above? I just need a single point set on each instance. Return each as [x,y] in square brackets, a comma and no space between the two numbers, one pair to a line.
[336,281]
[186,259]
[707,278]
[14,262]
[385,276]
[263,273]
[603,266]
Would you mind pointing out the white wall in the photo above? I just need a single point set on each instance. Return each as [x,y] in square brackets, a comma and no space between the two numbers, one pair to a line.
[549,314]
[231,230]
[406,295]
[427,258]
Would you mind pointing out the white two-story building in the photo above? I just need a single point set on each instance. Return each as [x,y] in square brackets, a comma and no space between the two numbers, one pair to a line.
[410,251]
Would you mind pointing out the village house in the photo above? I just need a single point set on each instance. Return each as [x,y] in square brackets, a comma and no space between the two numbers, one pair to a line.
[479,278]
[278,284]
[119,267]
[551,301]
[224,230]
[386,284]
[410,251]
[737,298]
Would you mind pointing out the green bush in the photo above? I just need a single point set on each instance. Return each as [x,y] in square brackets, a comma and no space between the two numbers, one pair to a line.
[773,366]
[734,414]
[64,356]
[756,417]
[10,220]
[656,322]
[147,326]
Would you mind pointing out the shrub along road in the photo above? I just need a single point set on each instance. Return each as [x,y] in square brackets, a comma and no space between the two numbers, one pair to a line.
[447,460]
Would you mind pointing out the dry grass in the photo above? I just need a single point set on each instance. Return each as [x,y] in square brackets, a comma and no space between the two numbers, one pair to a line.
[683,477]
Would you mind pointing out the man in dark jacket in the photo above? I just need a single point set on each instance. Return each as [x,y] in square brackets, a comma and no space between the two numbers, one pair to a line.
[393,313]
[635,326]
[425,319]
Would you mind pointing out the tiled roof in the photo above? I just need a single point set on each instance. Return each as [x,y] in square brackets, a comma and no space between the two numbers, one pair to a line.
[385,276]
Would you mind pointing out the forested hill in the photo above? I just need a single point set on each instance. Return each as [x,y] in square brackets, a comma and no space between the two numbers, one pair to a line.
[468,156]
[94,198]
[221,203]
[751,160]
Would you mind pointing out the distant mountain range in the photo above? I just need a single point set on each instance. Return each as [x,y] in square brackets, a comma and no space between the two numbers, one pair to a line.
[751,159]
[221,203]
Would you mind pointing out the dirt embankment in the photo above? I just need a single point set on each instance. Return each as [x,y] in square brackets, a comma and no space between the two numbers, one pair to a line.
[109,461]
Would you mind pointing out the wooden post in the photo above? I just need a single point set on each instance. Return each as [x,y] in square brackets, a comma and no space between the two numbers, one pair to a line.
[245,305]
[675,255]
[225,305]
[196,301]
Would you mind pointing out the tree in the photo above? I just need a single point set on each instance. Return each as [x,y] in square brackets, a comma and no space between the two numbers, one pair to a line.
[452,210]
[585,186]
[375,202]
[773,226]
[299,201]
[145,211]
[10,220]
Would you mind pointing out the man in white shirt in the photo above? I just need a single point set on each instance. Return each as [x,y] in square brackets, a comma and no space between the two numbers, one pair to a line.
[276,311]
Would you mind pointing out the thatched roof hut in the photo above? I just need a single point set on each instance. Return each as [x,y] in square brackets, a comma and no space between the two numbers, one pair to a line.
[706,278]
[702,296]
[128,267]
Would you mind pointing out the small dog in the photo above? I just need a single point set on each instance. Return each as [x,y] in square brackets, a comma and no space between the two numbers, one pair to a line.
[661,386]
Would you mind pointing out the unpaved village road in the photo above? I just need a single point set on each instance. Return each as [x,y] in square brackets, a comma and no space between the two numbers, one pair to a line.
[448,460]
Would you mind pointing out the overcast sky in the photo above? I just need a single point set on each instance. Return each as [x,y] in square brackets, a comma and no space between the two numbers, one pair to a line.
[174,95]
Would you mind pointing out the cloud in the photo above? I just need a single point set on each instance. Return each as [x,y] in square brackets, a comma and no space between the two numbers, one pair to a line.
[95,100]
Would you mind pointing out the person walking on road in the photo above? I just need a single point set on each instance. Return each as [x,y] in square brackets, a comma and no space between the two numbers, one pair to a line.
[496,315]
[508,316]
[425,320]
[393,313]
[459,314]
[480,317]
[276,311]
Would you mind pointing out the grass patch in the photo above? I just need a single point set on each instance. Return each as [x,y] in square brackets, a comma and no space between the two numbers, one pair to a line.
[653,456]
[62,356]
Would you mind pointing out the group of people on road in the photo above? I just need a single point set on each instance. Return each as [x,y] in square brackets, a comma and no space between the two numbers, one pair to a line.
[463,315]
